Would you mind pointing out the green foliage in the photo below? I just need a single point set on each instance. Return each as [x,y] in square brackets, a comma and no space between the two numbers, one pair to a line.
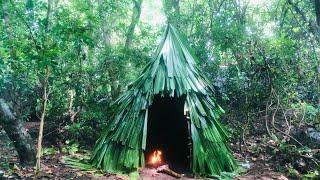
[48,151]
[306,111]
[297,162]
[311,175]
[247,49]
[70,148]
[293,173]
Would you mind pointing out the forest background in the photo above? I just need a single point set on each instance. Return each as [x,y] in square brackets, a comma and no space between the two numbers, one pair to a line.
[65,62]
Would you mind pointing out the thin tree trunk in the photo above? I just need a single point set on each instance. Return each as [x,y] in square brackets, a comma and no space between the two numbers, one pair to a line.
[134,21]
[317,11]
[18,135]
[45,101]
[317,8]
[45,93]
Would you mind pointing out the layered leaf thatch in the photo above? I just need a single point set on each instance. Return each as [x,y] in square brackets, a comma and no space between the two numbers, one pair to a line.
[172,72]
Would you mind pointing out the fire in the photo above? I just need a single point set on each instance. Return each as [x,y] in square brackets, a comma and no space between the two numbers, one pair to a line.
[155,158]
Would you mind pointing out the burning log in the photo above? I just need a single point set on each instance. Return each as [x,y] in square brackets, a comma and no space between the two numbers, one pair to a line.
[155,161]
[166,170]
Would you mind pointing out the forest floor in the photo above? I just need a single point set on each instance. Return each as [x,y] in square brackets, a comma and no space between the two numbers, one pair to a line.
[53,167]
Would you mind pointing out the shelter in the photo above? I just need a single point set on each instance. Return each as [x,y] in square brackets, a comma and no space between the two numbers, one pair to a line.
[171,106]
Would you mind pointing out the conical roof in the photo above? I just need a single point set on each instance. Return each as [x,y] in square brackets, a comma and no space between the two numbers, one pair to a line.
[173,69]
[172,72]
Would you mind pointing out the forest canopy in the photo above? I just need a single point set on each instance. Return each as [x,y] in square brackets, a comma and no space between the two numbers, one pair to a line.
[63,63]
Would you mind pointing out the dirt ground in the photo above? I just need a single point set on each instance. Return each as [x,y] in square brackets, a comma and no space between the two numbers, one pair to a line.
[53,167]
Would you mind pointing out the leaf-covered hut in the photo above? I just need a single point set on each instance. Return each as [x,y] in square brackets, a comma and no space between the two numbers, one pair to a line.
[172,73]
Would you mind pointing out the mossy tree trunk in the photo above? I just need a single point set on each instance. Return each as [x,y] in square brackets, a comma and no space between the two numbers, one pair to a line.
[17,134]
[134,21]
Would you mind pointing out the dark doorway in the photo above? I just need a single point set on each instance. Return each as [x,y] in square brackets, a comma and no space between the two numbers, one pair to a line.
[168,132]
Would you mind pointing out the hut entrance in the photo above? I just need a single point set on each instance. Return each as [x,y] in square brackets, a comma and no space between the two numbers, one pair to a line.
[168,134]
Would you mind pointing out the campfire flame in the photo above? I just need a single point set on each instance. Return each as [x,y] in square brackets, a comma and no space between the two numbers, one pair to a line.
[155,158]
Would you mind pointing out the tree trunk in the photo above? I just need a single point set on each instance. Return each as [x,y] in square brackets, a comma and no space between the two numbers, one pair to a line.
[172,11]
[106,37]
[115,89]
[317,8]
[18,135]
[43,114]
[45,91]
[134,20]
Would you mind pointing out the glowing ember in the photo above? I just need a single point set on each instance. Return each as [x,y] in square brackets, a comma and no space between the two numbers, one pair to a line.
[155,158]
